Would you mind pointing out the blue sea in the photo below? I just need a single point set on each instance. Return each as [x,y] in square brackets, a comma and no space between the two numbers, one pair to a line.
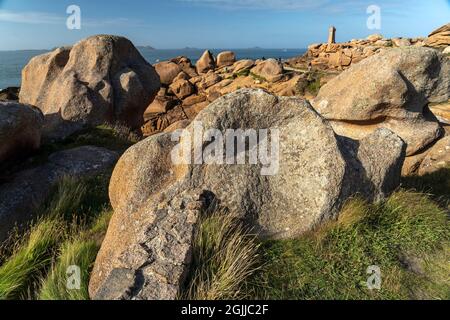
[12,62]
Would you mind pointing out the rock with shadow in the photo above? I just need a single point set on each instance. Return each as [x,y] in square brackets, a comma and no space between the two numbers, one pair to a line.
[100,79]
[286,174]
[390,90]
[23,193]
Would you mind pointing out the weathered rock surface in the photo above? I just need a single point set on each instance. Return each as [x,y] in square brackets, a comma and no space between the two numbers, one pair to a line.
[20,130]
[390,90]
[270,69]
[161,104]
[209,80]
[442,112]
[186,65]
[101,79]
[205,63]
[401,42]
[182,88]
[243,64]
[375,37]
[21,195]
[147,246]
[437,158]
[167,71]
[439,37]
[226,59]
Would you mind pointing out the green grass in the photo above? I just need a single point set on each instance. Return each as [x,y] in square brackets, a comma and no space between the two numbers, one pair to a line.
[78,252]
[29,261]
[407,237]
[74,221]
[225,254]
[257,77]
[242,73]
[314,86]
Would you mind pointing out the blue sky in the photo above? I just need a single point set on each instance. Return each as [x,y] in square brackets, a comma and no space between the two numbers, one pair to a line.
[35,24]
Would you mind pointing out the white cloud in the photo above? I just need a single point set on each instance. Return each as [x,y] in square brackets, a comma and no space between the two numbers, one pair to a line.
[30,17]
[273,4]
[49,18]
[326,6]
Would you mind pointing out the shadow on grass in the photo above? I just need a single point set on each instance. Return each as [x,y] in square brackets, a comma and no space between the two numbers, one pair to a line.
[436,184]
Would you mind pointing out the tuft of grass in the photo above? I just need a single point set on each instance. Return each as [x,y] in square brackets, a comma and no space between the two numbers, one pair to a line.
[406,236]
[70,231]
[29,260]
[242,73]
[79,253]
[257,77]
[225,254]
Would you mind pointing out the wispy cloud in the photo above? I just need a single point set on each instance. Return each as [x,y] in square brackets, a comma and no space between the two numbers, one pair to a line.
[260,4]
[49,19]
[326,6]
[30,17]
[278,4]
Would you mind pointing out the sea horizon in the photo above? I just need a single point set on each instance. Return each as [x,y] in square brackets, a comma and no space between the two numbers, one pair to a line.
[13,61]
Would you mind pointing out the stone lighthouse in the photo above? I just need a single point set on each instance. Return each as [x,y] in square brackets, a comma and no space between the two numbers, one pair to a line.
[332,35]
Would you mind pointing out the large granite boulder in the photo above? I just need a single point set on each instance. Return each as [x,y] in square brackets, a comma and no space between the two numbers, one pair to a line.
[298,175]
[20,130]
[243,65]
[205,63]
[22,194]
[390,90]
[270,69]
[100,79]
[167,71]
[226,59]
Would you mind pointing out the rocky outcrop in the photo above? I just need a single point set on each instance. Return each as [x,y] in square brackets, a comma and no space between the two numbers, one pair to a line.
[245,64]
[186,65]
[101,79]
[189,92]
[167,71]
[439,37]
[437,158]
[442,112]
[340,56]
[21,195]
[390,90]
[20,130]
[205,63]
[271,70]
[226,59]
[146,253]
[182,88]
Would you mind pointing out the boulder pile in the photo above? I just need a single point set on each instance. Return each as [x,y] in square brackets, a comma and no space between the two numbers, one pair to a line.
[391,90]
[188,89]
[340,56]
[440,37]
